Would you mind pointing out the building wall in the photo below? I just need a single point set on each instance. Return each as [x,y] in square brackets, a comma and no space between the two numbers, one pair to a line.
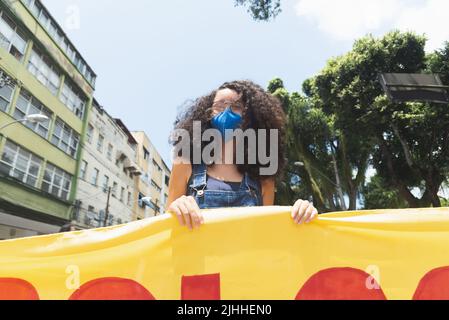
[93,196]
[153,182]
[18,199]
[165,182]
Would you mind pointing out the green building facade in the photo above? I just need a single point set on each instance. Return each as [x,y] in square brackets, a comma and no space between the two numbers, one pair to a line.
[41,72]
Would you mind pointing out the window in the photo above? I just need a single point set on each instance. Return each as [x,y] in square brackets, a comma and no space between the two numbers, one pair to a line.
[28,105]
[73,100]
[82,68]
[90,133]
[156,186]
[114,189]
[146,154]
[89,218]
[100,218]
[57,182]
[63,43]
[110,220]
[129,199]
[167,181]
[70,52]
[5,97]
[65,138]
[11,39]
[157,166]
[48,24]
[100,143]
[109,153]
[94,179]
[105,183]
[44,71]
[83,170]
[20,164]
[44,19]
[52,31]
[77,60]
[145,178]
[36,8]
[122,194]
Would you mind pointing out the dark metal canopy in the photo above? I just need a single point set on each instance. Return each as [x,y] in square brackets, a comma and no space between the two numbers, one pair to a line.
[407,87]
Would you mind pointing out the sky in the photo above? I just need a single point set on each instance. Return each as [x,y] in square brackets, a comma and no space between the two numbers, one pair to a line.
[153,56]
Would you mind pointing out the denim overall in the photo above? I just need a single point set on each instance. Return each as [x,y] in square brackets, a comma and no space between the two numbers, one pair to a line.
[249,195]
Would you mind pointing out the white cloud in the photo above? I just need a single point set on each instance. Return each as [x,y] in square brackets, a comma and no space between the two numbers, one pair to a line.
[432,18]
[349,19]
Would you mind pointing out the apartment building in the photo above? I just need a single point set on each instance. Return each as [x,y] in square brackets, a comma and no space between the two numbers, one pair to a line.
[108,173]
[41,73]
[152,185]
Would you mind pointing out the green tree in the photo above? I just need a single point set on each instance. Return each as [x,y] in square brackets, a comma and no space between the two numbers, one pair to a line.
[310,163]
[261,10]
[407,143]
[345,123]
[379,195]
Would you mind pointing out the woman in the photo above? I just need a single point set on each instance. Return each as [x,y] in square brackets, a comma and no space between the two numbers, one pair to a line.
[222,183]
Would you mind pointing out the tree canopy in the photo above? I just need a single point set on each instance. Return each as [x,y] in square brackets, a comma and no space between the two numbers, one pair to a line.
[342,124]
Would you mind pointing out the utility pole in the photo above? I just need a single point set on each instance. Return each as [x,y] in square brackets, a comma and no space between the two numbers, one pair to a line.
[107,207]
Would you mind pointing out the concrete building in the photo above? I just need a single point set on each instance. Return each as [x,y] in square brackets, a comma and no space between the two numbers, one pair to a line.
[108,173]
[153,181]
[41,72]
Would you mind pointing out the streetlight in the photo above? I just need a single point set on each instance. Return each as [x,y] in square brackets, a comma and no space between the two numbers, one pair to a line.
[408,87]
[33,118]
[146,201]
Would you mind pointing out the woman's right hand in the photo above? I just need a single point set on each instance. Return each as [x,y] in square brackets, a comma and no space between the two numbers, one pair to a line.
[187,211]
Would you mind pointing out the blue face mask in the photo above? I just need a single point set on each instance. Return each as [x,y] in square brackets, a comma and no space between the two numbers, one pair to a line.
[227,120]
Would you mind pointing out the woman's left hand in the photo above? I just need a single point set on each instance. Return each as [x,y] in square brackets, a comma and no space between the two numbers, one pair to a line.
[304,212]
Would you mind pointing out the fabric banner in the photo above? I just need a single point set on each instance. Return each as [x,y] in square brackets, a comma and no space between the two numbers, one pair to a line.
[241,253]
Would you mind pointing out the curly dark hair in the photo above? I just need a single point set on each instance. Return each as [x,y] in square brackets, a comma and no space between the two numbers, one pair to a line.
[261,110]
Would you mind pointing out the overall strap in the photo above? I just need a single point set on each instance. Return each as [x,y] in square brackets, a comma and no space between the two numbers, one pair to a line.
[254,186]
[250,184]
[199,178]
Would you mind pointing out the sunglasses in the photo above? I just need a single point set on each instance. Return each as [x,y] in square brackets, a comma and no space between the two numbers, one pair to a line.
[236,106]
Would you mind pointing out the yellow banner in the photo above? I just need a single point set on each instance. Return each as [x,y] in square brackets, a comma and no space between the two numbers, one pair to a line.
[241,253]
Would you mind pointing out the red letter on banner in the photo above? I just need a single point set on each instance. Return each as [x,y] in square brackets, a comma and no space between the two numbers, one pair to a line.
[434,285]
[17,289]
[340,284]
[112,289]
[204,287]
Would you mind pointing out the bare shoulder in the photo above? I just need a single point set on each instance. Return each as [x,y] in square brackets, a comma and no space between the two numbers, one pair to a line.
[180,176]
[181,171]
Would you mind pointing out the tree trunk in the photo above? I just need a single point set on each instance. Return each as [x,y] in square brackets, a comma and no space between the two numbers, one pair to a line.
[347,171]
[316,192]
[404,192]
[405,148]
[337,178]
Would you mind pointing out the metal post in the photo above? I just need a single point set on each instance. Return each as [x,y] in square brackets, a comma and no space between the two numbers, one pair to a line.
[107,207]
